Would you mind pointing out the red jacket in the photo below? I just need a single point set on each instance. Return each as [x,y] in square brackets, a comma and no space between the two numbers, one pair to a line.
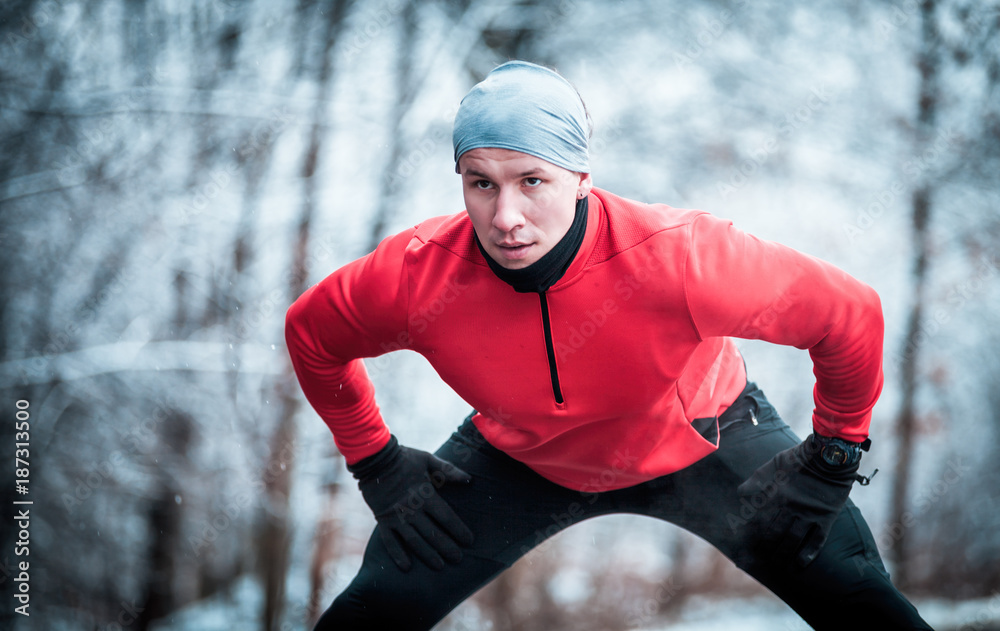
[595,384]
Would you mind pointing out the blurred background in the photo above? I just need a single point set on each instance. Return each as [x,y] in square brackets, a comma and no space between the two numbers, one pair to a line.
[174,173]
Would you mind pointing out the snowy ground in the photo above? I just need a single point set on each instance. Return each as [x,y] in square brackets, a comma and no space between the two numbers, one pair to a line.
[702,614]
[239,609]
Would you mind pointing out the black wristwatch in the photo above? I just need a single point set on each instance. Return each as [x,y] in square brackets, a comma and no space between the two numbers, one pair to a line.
[838,452]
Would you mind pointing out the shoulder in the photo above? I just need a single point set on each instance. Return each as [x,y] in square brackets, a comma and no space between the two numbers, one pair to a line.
[627,223]
[450,235]
[434,248]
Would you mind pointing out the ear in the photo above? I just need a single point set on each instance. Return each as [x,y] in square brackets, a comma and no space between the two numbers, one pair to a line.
[586,183]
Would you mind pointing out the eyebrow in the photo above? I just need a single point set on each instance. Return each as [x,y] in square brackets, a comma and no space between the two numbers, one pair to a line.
[528,173]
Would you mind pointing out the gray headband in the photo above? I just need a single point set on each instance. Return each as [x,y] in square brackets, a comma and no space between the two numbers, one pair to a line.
[527,108]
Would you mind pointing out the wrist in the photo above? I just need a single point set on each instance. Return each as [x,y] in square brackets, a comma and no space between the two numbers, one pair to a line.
[377,462]
[837,453]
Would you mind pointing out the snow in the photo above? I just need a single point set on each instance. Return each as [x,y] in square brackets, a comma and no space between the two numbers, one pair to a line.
[239,609]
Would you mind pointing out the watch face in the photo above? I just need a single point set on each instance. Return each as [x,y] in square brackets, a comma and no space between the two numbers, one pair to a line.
[835,454]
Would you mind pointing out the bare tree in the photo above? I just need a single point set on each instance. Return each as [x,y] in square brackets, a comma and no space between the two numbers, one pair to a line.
[929,66]
[275,536]
[952,35]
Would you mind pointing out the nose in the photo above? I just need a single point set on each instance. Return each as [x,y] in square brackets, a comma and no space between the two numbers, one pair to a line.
[508,215]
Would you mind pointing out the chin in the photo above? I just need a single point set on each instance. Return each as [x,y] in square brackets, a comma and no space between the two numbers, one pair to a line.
[512,264]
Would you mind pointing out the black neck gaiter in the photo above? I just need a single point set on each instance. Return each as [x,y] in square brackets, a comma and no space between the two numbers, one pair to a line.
[546,271]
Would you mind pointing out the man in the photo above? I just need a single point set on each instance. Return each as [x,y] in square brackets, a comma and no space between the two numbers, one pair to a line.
[594,335]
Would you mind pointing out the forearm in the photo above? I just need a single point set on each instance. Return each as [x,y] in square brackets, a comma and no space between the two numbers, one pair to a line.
[848,368]
[344,397]
[331,374]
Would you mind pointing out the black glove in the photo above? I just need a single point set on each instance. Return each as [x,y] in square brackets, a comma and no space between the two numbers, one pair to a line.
[796,496]
[400,485]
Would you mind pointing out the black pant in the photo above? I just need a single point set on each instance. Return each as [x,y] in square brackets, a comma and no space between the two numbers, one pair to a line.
[511,509]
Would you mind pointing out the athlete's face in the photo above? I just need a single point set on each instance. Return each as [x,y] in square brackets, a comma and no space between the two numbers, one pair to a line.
[520,205]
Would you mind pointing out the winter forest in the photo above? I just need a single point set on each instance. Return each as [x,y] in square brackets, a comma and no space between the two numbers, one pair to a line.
[175,173]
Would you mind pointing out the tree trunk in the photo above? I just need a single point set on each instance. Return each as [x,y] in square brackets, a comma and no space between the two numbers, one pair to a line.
[929,67]
[276,536]
[325,548]
[389,196]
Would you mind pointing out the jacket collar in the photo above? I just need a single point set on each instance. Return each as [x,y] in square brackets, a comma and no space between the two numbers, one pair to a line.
[595,225]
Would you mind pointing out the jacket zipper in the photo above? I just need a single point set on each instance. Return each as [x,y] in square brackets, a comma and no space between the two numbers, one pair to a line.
[550,348]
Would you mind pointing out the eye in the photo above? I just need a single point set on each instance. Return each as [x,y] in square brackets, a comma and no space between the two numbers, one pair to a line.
[483,185]
[532,181]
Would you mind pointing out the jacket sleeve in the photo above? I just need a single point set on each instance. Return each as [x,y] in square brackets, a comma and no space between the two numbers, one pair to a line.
[358,311]
[740,286]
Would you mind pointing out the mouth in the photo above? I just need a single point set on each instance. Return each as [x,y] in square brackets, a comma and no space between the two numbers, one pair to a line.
[514,251]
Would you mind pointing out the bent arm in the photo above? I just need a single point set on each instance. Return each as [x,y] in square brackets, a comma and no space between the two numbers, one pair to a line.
[741,286]
[357,311]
